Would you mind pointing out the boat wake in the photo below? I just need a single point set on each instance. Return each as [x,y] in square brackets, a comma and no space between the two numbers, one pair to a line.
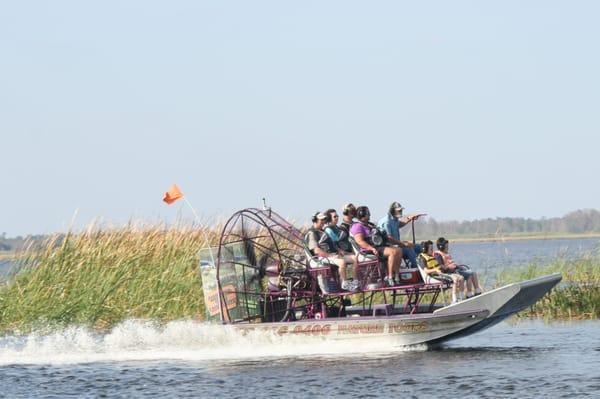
[138,340]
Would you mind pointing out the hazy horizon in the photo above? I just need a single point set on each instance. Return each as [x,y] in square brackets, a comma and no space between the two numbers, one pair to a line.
[215,219]
[461,110]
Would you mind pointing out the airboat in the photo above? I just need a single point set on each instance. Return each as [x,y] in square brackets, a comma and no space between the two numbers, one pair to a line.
[261,277]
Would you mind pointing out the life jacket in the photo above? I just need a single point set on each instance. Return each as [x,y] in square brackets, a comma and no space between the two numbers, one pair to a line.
[342,237]
[323,240]
[346,226]
[376,237]
[446,258]
[429,261]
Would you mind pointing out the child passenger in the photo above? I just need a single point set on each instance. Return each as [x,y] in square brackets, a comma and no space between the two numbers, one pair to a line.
[434,269]
[449,266]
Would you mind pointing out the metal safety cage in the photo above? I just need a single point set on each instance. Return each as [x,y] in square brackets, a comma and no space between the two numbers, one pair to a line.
[254,243]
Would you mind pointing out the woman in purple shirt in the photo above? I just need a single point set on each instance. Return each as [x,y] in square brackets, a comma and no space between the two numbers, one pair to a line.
[362,233]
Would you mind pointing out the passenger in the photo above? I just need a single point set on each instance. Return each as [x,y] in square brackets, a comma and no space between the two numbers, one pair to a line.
[320,245]
[348,214]
[340,238]
[434,269]
[339,235]
[448,264]
[364,232]
[392,223]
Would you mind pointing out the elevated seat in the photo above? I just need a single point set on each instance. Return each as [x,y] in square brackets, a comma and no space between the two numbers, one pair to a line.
[444,283]
[320,270]
[428,279]
[386,309]
[369,266]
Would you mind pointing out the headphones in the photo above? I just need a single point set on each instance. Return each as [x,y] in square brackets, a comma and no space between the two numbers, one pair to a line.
[314,217]
[441,243]
[362,211]
[348,208]
[393,206]
[426,245]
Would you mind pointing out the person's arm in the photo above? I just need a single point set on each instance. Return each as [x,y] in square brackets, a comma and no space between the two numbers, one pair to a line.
[451,265]
[319,252]
[443,267]
[362,242]
[407,219]
[439,258]
[435,270]
[427,270]
[386,226]
[313,245]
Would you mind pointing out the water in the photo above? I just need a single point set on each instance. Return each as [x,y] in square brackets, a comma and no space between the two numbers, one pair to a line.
[5,268]
[495,255]
[191,359]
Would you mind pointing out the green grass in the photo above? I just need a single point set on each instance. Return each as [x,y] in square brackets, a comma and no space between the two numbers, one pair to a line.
[100,277]
[577,297]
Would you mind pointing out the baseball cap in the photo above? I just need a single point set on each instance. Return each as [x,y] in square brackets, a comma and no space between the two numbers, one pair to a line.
[396,207]
[320,215]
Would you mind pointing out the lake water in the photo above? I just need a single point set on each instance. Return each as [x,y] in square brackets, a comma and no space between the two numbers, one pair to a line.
[193,359]
[495,255]
[187,359]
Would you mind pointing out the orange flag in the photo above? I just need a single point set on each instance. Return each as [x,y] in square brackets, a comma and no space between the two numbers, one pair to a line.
[173,194]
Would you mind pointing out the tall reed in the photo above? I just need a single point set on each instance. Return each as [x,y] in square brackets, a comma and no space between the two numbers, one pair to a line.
[99,277]
[577,297]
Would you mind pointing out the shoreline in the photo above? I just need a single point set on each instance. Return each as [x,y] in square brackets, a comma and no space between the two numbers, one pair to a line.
[524,237]
[4,255]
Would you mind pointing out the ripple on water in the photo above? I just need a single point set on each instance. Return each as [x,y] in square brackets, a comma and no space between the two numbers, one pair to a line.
[541,363]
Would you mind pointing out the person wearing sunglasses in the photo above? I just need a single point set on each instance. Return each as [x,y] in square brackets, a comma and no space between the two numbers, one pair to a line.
[340,238]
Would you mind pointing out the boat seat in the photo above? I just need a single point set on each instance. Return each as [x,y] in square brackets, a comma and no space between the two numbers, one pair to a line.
[369,265]
[315,262]
[320,271]
[385,308]
[365,257]
[428,279]
[362,256]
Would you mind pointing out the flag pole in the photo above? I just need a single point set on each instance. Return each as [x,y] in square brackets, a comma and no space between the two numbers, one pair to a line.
[173,195]
[202,227]
[193,210]
[210,252]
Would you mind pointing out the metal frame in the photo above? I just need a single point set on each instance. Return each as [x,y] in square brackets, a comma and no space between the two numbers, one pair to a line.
[279,241]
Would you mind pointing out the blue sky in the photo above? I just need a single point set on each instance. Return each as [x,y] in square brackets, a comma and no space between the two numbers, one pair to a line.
[459,109]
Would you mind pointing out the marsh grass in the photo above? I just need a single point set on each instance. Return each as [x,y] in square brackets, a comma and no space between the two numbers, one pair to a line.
[99,277]
[576,297]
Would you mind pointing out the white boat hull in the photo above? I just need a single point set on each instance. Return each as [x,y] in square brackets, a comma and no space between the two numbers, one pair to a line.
[449,322]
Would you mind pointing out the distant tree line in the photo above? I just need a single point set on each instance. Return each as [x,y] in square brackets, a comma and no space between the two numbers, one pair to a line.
[17,243]
[577,222]
[580,221]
